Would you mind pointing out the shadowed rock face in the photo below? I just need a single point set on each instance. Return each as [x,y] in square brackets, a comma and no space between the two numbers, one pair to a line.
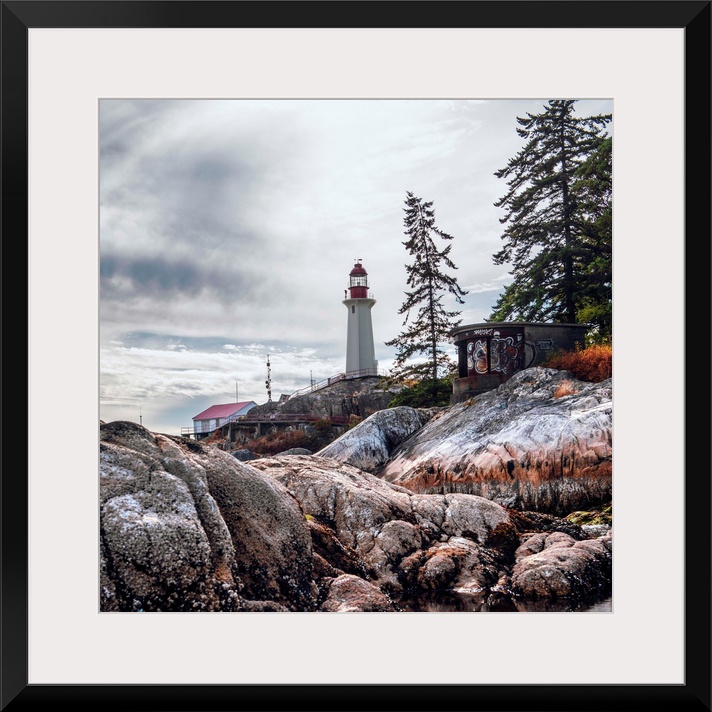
[542,441]
[188,527]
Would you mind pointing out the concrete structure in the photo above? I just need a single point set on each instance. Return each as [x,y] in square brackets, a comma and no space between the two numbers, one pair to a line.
[490,353]
[360,352]
[218,415]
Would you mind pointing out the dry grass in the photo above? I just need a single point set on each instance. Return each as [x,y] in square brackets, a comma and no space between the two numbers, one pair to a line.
[320,435]
[593,363]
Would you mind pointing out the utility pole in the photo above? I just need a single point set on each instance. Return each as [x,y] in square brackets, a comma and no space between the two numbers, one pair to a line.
[237,399]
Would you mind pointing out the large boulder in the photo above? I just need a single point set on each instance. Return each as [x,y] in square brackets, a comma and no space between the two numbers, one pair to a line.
[554,565]
[243,455]
[269,534]
[348,593]
[542,441]
[363,524]
[370,443]
[295,451]
[185,526]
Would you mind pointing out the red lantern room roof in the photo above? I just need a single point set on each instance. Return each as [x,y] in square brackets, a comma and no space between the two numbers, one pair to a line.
[358,269]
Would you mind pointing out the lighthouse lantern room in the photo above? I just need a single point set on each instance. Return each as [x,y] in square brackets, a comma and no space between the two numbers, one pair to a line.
[360,352]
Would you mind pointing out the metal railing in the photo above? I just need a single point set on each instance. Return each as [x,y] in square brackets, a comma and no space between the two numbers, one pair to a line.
[325,383]
[297,418]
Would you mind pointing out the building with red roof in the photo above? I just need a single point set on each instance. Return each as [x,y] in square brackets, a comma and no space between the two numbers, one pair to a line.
[217,415]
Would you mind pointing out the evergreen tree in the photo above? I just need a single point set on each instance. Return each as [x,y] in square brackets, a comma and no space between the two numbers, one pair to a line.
[429,328]
[547,240]
[594,188]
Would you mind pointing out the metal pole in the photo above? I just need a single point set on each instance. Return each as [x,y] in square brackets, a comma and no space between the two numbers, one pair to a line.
[268,382]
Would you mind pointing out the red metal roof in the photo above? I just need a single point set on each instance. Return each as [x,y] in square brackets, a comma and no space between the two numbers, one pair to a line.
[358,269]
[221,411]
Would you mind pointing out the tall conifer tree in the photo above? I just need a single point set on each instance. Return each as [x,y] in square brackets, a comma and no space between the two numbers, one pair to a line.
[544,239]
[428,283]
[594,189]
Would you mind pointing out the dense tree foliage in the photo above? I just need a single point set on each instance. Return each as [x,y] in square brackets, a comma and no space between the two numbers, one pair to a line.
[594,190]
[427,322]
[557,237]
[425,394]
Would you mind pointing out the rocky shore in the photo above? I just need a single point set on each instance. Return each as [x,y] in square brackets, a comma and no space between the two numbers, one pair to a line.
[541,441]
[185,526]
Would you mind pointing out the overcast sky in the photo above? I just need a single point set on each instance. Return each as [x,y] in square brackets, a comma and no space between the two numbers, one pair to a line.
[229,227]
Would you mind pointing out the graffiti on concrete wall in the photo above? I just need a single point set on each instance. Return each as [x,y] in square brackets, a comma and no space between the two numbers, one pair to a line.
[506,354]
[499,354]
[477,356]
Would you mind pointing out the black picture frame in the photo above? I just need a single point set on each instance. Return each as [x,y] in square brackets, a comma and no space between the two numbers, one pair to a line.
[694,17]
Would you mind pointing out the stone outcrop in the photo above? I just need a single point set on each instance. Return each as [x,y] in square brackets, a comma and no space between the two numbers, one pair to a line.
[359,396]
[402,541]
[369,444]
[554,565]
[384,532]
[188,527]
[542,441]
[185,526]
[295,451]
[243,455]
[349,593]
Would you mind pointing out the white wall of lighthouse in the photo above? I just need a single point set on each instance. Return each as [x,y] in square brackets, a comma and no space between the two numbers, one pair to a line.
[360,348]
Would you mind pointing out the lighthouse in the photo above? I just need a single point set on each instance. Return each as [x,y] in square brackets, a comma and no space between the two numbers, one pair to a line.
[360,353]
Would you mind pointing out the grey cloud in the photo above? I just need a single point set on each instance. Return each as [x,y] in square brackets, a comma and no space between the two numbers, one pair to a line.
[124,277]
[197,188]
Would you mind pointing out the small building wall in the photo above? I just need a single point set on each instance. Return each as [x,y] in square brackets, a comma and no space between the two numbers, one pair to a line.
[489,354]
[208,425]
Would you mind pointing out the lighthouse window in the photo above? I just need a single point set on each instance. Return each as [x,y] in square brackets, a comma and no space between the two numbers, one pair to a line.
[359,281]
[353,309]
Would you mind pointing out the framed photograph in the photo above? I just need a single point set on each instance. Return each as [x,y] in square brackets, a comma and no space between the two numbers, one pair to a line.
[69,66]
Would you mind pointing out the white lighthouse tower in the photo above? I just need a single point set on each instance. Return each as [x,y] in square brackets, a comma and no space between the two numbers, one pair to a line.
[360,352]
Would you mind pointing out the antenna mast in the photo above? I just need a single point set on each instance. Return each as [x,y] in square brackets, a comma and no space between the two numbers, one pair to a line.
[268,382]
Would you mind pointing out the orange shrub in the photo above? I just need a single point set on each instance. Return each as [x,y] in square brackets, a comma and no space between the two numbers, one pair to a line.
[593,363]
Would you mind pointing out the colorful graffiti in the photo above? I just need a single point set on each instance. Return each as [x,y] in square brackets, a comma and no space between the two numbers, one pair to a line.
[498,354]
[477,356]
[506,354]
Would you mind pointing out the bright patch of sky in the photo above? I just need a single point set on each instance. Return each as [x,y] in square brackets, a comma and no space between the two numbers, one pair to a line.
[228,229]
